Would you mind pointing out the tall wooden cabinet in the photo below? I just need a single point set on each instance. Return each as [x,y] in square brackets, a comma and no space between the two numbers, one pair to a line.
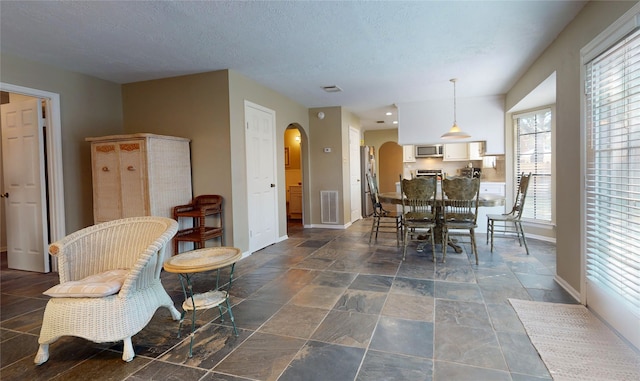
[139,175]
[295,202]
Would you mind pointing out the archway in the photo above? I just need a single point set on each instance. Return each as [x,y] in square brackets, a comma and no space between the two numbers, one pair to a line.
[293,168]
[390,166]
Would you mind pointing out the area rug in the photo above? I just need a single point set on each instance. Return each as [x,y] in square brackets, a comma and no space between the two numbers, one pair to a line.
[574,344]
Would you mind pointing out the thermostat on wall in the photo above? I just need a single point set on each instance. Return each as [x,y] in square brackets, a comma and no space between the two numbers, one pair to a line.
[327,149]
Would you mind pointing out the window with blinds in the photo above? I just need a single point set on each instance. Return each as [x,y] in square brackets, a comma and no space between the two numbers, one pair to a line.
[533,154]
[613,171]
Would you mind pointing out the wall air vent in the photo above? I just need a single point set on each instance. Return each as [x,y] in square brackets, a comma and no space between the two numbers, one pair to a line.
[329,207]
[332,89]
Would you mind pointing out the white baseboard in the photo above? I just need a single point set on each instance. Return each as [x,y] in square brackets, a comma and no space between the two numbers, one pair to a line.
[567,287]
[324,226]
[541,238]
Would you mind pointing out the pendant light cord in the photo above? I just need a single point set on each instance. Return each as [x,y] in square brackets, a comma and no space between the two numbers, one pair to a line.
[454,101]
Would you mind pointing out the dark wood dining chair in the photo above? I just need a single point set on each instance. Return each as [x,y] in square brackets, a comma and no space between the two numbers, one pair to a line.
[418,210]
[510,223]
[383,220]
[460,210]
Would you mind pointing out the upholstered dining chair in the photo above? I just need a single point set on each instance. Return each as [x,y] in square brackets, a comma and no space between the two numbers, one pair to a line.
[460,210]
[109,283]
[509,223]
[383,220]
[418,210]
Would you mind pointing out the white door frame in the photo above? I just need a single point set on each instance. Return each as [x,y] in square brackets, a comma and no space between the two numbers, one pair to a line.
[355,195]
[55,182]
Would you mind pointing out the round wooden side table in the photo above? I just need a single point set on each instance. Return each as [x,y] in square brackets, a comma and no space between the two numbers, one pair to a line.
[202,260]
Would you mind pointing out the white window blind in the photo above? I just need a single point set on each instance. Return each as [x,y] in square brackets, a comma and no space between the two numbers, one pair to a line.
[613,171]
[533,154]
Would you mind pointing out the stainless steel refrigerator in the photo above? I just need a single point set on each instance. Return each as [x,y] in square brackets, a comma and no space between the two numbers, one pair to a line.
[367,165]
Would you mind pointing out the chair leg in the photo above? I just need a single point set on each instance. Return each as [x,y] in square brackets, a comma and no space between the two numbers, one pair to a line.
[488,222]
[43,354]
[404,242]
[433,245]
[127,352]
[519,224]
[492,228]
[473,244]
[445,241]
[515,225]
[373,225]
[175,314]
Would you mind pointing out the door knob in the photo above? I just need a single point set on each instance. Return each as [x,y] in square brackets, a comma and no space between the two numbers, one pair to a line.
[4,195]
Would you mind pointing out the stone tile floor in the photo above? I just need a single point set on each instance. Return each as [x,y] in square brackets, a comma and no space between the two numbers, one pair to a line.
[322,305]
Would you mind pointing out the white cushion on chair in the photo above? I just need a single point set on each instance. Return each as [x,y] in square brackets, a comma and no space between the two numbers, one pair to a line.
[94,286]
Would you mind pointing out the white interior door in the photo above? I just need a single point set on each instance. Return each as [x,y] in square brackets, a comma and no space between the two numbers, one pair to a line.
[261,183]
[24,186]
[354,174]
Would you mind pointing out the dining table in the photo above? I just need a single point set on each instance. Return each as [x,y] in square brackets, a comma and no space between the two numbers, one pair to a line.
[484,200]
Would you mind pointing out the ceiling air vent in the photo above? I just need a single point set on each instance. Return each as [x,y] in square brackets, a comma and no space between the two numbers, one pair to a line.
[331,89]
[380,121]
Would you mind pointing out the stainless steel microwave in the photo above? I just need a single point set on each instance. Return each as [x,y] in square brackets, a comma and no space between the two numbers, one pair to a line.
[433,150]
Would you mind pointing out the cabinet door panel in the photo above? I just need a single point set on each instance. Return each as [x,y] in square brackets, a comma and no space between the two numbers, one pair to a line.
[295,201]
[408,154]
[133,179]
[106,183]
[456,152]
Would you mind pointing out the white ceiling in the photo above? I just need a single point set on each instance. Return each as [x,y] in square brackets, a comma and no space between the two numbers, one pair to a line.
[380,53]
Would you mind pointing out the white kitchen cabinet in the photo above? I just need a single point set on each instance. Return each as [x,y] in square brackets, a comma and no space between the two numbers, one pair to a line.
[139,175]
[456,152]
[409,154]
[463,151]
[476,150]
[295,202]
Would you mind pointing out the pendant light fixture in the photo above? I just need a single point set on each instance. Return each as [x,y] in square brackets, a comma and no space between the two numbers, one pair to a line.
[455,132]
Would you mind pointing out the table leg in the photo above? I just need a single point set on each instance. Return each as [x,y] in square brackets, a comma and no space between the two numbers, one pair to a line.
[189,295]
[233,321]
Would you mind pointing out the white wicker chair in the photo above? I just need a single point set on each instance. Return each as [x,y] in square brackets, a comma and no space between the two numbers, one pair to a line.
[136,244]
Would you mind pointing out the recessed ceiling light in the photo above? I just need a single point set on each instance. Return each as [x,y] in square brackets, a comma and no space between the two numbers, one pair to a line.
[389,113]
[332,89]
[395,122]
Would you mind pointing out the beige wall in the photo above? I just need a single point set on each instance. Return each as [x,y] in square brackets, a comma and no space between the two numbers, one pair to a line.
[89,107]
[326,167]
[194,107]
[563,56]
[208,108]
[287,112]
[377,138]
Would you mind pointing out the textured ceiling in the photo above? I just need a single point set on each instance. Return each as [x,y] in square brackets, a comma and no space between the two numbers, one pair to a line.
[380,53]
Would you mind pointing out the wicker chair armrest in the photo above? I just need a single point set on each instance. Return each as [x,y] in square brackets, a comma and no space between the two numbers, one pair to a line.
[127,243]
[149,263]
